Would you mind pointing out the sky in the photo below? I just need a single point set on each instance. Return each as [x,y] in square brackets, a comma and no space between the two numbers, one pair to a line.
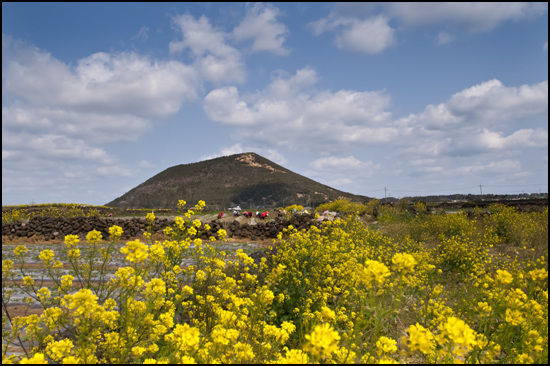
[376,99]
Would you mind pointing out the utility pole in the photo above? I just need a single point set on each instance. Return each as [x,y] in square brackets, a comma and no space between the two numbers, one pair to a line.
[385,190]
[480,191]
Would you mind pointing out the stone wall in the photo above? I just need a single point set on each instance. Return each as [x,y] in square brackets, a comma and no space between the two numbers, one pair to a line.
[56,228]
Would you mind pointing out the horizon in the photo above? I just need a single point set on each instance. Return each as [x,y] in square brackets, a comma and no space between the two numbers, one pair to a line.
[411,99]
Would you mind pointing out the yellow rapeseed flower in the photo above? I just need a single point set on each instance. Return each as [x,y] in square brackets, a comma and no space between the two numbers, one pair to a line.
[222,336]
[20,250]
[93,237]
[136,251]
[71,240]
[183,337]
[459,332]
[73,253]
[538,274]
[44,294]
[403,262]
[374,273]
[294,356]
[222,234]
[420,339]
[46,255]
[484,308]
[84,302]
[386,345]
[28,281]
[157,252]
[514,317]
[200,275]
[60,349]
[7,266]
[504,277]
[38,358]
[115,231]
[323,340]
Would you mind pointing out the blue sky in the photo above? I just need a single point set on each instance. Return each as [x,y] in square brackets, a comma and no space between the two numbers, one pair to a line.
[419,99]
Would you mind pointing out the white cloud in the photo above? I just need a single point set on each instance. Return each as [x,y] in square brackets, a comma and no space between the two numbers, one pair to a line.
[58,117]
[106,83]
[223,105]
[503,166]
[95,128]
[115,170]
[53,146]
[525,138]
[334,163]
[261,26]
[364,27]
[489,103]
[216,60]
[372,35]
[472,17]
[344,172]
[291,112]
[485,131]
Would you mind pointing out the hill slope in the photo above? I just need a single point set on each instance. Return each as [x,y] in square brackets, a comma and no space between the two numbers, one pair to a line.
[246,179]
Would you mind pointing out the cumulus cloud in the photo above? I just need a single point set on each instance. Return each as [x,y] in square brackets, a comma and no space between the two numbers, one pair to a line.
[490,102]
[371,35]
[364,27]
[524,138]
[217,61]
[485,130]
[58,117]
[291,111]
[223,105]
[110,83]
[260,25]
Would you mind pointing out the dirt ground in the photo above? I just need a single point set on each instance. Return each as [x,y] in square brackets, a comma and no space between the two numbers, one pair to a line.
[23,310]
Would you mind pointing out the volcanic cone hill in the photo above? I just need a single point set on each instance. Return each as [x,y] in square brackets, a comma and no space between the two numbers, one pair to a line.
[247,179]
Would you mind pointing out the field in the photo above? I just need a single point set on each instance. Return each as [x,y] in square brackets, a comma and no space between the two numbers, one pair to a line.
[409,286]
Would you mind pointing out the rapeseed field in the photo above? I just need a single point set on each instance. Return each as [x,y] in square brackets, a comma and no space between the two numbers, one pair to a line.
[414,288]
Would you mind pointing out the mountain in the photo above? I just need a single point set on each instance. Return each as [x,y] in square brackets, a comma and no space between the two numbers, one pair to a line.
[247,179]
